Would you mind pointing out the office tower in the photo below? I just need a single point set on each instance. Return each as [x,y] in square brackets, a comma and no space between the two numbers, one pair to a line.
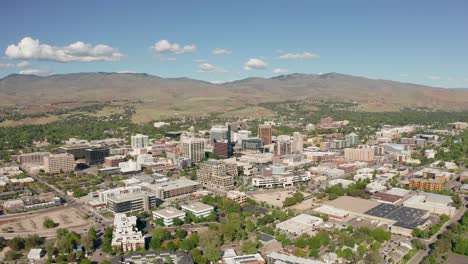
[264,133]
[139,141]
[297,143]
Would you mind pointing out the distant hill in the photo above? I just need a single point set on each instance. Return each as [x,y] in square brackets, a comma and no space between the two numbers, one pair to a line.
[373,95]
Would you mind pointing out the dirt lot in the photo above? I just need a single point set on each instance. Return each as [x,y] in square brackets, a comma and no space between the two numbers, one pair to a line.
[457,259]
[66,218]
[273,197]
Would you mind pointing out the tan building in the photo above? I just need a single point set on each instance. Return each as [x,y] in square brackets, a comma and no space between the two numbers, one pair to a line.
[34,157]
[264,133]
[236,196]
[426,184]
[213,174]
[362,153]
[113,161]
[56,163]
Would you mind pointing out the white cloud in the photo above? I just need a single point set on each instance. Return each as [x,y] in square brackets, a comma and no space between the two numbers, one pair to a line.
[280,71]
[404,75]
[433,77]
[125,71]
[279,51]
[298,56]
[206,67]
[255,64]
[164,46]
[6,65]
[35,72]
[23,64]
[29,48]
[219,51]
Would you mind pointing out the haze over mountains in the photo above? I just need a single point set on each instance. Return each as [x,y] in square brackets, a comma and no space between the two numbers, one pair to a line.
[370,94]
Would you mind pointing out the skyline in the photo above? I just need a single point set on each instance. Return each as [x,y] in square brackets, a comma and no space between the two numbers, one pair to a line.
[418,42]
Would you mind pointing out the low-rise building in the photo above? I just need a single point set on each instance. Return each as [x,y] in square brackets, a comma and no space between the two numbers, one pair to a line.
[278,258]
[236,196]
[172,189]
[198,209]
[434,203]
[301,224]
[168,215]
[332,212]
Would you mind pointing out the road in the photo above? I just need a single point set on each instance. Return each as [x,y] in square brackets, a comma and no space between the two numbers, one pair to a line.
[422,253]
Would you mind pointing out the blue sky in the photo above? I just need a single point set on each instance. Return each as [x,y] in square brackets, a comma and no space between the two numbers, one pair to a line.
[422,42]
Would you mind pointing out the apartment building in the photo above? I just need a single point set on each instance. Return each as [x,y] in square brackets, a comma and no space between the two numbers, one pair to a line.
[297,143]
[236,196]
[198,209]
[193,148]
[214,174]
[139,141]
[126,236]
[56,163]
[426,184]
[362,153]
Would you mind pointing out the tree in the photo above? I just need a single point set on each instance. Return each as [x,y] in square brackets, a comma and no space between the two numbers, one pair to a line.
[210,241]
[181,233]
[49,223]
[249,226]
[250,247]
[373,257]
[16,244]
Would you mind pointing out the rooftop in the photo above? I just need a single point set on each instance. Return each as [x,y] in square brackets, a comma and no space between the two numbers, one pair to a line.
[169,212]
[197,207]
[403,216]
[353,204]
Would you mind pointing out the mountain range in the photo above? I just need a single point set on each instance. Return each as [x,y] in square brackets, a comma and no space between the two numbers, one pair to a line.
[182,94]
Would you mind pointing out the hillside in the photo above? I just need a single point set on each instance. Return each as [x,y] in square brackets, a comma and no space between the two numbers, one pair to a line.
[153,95]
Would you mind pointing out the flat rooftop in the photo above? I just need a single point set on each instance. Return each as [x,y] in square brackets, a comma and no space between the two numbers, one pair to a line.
[353,204]
[197,207]
[169,212]
[406,217]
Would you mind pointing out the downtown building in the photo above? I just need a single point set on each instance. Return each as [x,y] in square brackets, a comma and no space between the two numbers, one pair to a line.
[278,176]
[217,175]
[193,148]
[139,141]
[127,199]
[56,163]
[361,153]
[265,133]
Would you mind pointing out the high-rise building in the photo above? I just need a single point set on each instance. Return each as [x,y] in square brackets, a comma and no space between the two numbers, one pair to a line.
[297,143]
[139,141]
[284,145]
[219,133]
[362,153]
[193,148]
[55,163]
[264,133]
[352,139]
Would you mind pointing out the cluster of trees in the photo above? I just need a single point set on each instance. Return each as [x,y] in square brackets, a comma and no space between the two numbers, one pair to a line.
[19,246]
[49,223]
[295,199]
[63,249]
[458,149]
[356,189]
[431,231]
[452,239]
[340,241]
